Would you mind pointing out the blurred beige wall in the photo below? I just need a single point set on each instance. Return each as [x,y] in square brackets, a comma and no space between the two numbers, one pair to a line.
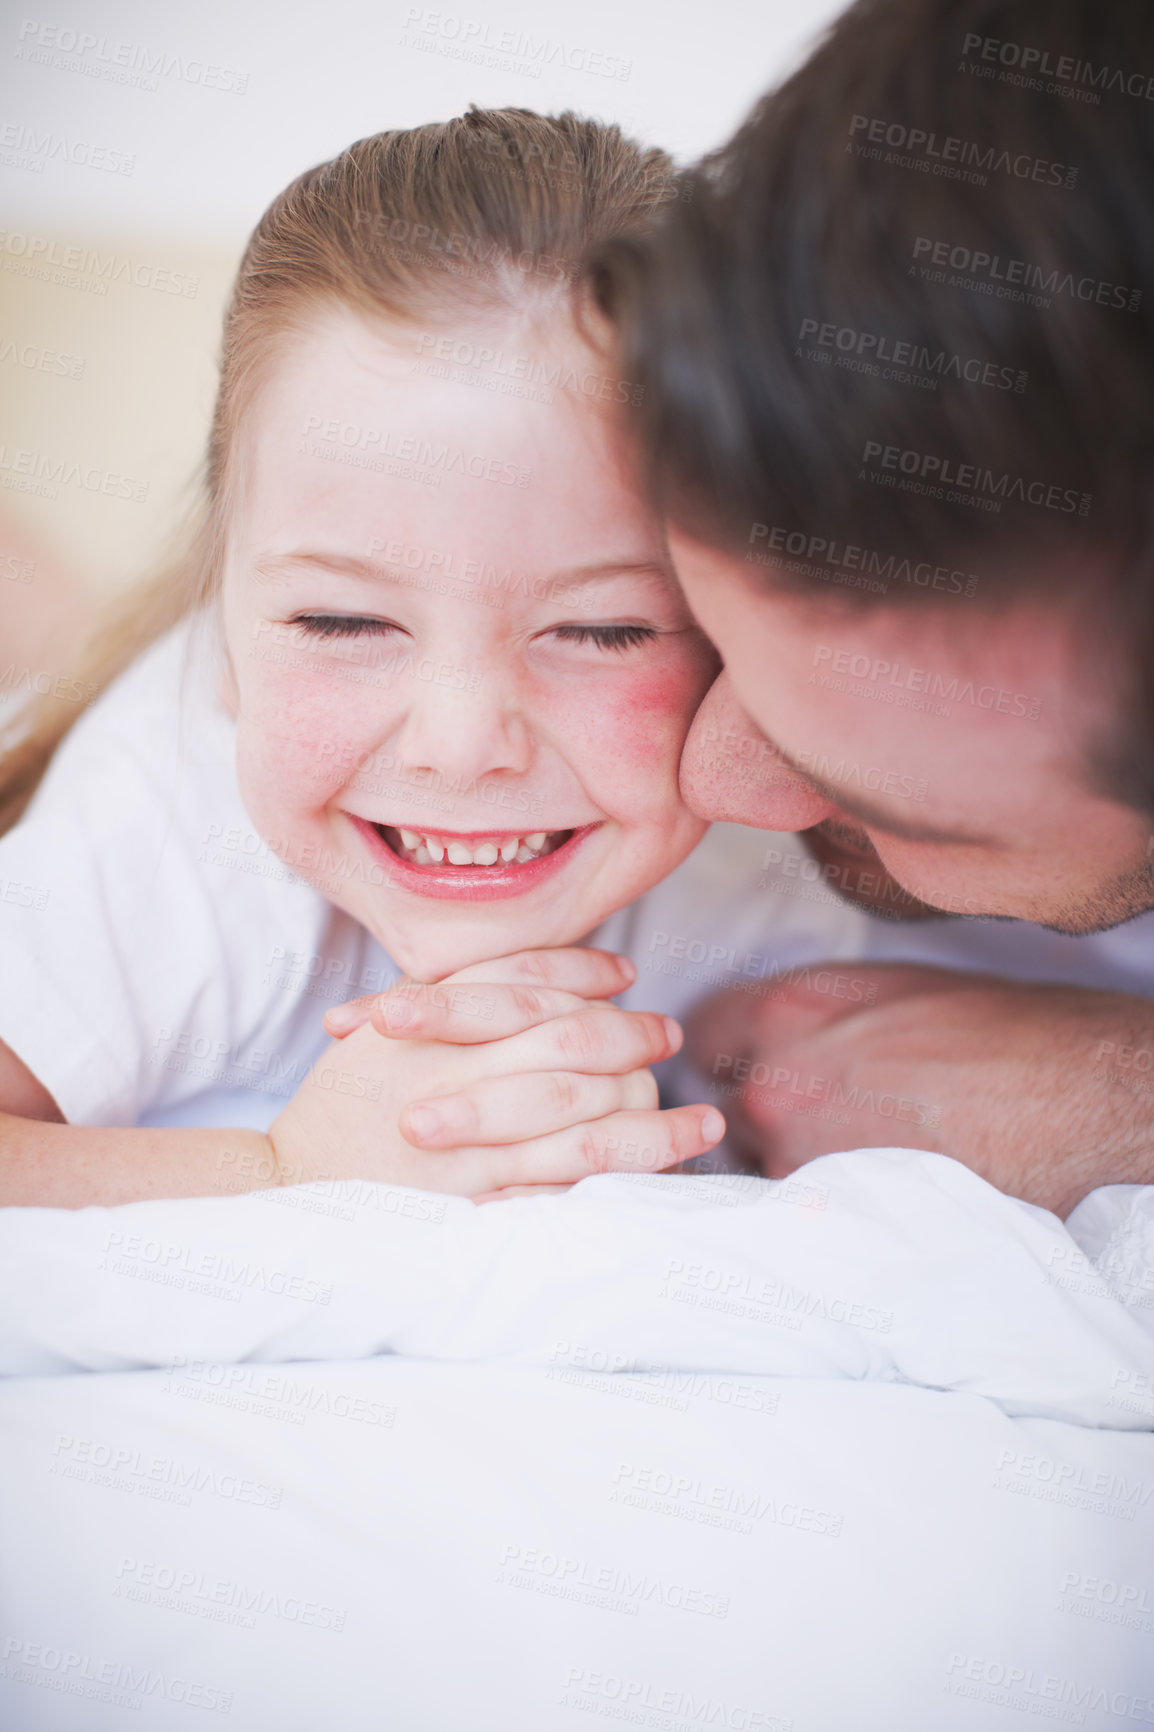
[106,387]
[107,379]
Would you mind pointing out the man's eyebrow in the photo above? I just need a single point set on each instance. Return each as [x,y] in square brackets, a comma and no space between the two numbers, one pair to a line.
[277,565]
[877,819]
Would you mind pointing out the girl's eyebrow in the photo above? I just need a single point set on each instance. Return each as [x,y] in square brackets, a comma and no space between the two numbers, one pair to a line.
[278,565]
[281,565]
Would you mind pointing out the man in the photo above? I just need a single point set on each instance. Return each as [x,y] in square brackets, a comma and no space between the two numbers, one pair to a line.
[896,345]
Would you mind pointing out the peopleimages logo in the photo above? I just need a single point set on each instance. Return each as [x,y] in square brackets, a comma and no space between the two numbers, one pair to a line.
[78,267]
[1008,1685]
[117,1683]
[647,1703]
[1010,278]
[883,675]
[956,158]
[914,363]
[932,473]
[24,147]
[824,556]
[1065,69]
[135,63]
[39,472]
[509,50]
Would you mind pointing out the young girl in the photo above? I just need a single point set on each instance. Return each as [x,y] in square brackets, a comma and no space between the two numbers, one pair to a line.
[422,707]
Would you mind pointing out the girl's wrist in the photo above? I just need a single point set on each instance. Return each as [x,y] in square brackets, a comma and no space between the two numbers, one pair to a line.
[250,1161]
[278,1159]
[286,1162]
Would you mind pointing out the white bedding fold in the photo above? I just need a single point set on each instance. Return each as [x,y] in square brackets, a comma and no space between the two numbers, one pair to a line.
[890,1265]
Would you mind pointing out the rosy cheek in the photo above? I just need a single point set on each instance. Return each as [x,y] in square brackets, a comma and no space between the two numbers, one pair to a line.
[631,730]
[303,734]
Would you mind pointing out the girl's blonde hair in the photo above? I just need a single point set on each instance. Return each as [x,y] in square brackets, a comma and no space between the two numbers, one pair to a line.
[472,215]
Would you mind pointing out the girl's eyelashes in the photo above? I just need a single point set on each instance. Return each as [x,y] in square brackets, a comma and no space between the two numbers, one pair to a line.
[340,624]
[607,637]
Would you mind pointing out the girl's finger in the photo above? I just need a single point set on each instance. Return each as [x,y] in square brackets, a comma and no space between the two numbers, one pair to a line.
[588,973]
[460,1013]
[341,1019]
[506,1109]
[580,972]
[467,1014]
[479,1014]
[597,1040]
[624,1142]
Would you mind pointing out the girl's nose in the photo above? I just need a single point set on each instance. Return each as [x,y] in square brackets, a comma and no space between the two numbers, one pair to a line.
[462,722]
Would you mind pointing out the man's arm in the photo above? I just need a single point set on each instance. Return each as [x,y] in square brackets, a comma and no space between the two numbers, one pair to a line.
[1045,1091]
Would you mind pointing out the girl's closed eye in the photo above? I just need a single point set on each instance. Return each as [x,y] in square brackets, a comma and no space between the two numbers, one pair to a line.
[342,624]
[607,637]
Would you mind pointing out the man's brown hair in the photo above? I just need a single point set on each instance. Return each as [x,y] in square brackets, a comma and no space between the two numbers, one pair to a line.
[904,321]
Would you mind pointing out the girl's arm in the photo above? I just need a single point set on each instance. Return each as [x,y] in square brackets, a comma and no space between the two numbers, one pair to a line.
[48,1163]
[21,1093]
[57,1166]
[344,1122]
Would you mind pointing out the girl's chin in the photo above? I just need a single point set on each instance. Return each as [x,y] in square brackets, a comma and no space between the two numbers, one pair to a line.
[430,946]
[428,966]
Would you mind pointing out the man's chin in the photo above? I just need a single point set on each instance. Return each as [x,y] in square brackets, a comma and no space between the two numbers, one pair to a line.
[1114,906]
[854,869]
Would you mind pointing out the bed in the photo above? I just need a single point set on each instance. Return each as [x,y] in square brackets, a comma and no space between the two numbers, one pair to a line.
[869,1447]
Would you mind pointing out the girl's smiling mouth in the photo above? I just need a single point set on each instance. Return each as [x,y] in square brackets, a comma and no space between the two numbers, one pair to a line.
[470,866]
[455,850]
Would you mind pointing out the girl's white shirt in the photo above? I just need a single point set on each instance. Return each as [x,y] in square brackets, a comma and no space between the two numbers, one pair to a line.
[160,964]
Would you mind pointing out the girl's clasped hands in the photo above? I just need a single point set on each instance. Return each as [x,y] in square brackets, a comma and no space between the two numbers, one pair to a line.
[519,1076]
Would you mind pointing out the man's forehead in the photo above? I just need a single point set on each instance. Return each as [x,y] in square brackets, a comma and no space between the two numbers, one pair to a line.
[1024,632]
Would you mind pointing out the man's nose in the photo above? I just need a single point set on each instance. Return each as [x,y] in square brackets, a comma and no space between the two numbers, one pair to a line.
[731,773]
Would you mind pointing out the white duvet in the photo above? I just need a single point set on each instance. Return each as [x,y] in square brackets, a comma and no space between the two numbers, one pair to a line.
[866,1448]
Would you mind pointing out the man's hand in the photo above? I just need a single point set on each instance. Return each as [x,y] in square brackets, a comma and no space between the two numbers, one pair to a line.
[1045,1091]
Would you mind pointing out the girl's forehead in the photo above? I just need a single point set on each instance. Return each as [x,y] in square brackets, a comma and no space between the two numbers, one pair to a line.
[532,355]
[356,433]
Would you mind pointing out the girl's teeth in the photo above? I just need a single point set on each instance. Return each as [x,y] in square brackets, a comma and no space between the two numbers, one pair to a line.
[430,851]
